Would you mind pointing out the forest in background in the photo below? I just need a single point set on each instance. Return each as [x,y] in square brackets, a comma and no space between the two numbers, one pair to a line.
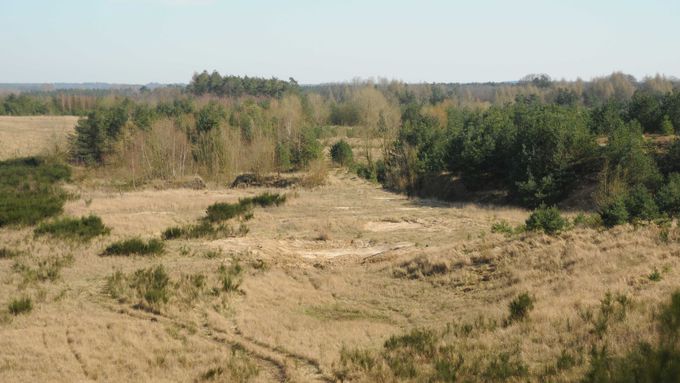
[533,142]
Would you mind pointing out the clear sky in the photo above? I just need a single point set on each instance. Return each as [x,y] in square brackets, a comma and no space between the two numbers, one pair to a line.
[141,41]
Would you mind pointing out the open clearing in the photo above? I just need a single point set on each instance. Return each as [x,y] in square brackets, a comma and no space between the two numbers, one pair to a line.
[322,272]
[26,136]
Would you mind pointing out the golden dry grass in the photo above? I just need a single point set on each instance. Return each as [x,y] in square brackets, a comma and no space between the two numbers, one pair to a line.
[326,271]
[302,299]
[27,136]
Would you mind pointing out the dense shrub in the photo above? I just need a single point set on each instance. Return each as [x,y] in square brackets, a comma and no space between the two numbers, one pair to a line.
[29,190]
[209,117]
[614,212]
[373,171]
[20,306]
[345,114]
[520,307]
[265,199]
[341,153]
[547,219]
[203,229]
[306,149]
[96,135]
[640,204]
[551,147]
[83,229]
[135,246]
[420,149]
[668,196]
[627,156]
[223,211]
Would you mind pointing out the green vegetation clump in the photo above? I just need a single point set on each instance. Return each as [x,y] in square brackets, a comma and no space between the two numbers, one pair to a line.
[48,269]
[149,287]
[640,204]
[7,253]
[81,229]
[20,306]
[421,356]
[341,153]
[151,284]
[28,190]
[203,229]
[230,277]
[668,196]
[223,211]
[614,213]
[547,219]
[657,361]
[265,199]
[135,246]
[520,307]
[503,227]
[588,220]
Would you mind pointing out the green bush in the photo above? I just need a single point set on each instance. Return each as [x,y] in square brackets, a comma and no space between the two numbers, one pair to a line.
[341,153]
[29,191]
[82,229]
[640,204]
[20,306]
[174,232]
[547,219]
[520,307]
[223,211]
[502,227]
[668,196]
[202,230]
[265,199]
[614,213]
[135,246]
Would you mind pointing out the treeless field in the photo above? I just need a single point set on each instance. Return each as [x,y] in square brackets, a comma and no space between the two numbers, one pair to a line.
[26,136]
[337,267]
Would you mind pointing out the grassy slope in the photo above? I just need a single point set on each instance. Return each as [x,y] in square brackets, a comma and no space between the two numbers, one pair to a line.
[302,300]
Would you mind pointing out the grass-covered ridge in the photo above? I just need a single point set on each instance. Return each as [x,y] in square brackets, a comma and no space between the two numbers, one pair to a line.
[29,190]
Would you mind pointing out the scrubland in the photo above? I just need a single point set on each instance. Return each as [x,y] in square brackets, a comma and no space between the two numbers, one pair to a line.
[251,230]
[344,281]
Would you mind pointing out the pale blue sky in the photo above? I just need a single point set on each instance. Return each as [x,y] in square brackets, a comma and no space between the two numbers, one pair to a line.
[140,41]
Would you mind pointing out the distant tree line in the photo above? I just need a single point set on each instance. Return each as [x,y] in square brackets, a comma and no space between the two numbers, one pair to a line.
[235,86]
[537,141]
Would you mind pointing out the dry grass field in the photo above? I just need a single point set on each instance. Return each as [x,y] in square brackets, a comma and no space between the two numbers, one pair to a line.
[339,267]
[25,136]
